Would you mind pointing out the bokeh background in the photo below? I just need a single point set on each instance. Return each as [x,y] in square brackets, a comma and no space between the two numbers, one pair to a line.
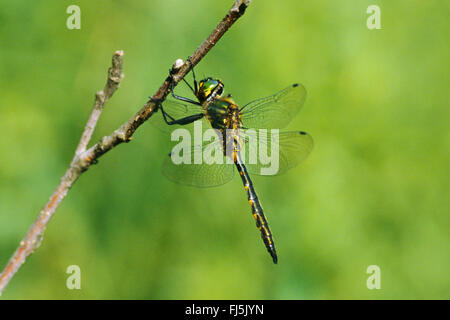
[374,191]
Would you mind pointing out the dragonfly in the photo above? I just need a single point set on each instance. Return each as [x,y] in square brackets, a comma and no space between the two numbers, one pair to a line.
[221,113]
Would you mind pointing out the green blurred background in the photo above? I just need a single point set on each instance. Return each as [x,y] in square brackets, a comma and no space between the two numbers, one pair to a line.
[374,191]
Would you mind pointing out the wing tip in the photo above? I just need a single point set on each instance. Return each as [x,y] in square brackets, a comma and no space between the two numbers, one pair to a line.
[300,87]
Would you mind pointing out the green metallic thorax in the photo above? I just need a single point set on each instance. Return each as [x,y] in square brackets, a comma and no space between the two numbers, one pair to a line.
[222,113]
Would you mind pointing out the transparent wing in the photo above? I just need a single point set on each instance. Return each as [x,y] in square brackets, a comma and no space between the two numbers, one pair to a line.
[275,155]
[177,110]
[214,168]
[275,111]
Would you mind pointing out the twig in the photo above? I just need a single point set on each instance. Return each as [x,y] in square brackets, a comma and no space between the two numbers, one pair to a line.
[84,157]
[115,75]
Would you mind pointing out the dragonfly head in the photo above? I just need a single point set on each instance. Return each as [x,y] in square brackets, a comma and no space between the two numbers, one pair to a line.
[209,87]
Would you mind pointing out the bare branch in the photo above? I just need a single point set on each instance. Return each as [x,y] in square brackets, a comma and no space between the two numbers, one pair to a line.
[115,75]
[84,157]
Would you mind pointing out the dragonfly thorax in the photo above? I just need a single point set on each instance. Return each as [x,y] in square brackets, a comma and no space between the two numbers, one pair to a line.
[223,113]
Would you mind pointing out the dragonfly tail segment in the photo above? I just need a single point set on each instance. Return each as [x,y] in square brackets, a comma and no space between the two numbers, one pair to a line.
[257,210]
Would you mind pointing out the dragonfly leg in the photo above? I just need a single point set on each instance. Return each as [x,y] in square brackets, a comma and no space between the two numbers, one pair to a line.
[190,87]
[182,98]
[193,75]
[195,89]
[168,119]
[182,121]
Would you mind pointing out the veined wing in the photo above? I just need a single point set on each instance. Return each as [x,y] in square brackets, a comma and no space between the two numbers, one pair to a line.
[275,155]
[213,168]
[274,111]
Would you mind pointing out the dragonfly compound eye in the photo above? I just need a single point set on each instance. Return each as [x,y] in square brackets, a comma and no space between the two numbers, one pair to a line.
[208,86]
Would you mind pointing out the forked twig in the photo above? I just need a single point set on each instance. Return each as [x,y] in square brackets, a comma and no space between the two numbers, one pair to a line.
[84,157]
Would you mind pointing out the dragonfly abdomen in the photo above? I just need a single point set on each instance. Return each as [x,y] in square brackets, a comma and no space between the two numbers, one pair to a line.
[257,210]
